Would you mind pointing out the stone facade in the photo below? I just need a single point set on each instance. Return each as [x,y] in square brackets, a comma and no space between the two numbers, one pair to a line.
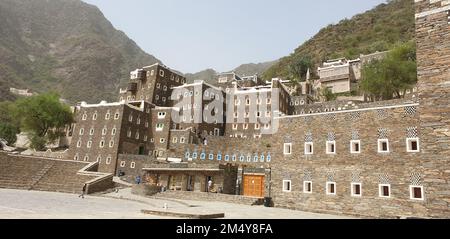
[384,159]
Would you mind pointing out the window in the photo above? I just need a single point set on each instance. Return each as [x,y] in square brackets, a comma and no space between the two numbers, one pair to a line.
[355,146]
[102,144]
[107,116]
[307,187]
[132,165]
[309,149]
[152,72]
[247,101]
[287,148]
[242,158]
[164,88]
[145,138]
[137,135]
[138,121]
[237,102]
[233,158]
[331,188]
[129,133]
[111,143]
[161,73]
[99,159]
[257,126]
[130,118]
[84,117]
[383,146]
[91,131]
[79,144]
[89,144]
[81,131]
[113,131]
[269,101]
[164,99]
[86,158]
[175,140]
[108,160]
[116,116]
[211,156]
[162,140]
[122,164]
[385,190]
[412,145]
[104,131]
[356,190]
[181,140]
[287,186]
[94,117]
[159,127]
[76,158]
[161,115]
[227,157]
[146,124]
[416,192]
[235,126]
[331,147]
[266,126]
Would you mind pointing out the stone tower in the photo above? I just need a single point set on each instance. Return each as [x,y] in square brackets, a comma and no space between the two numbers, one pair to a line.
[433,59]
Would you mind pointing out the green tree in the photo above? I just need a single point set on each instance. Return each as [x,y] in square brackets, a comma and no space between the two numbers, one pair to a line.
[327,94]
[44,117]
[8,132]
[392,76]
[9,125]
[299,68]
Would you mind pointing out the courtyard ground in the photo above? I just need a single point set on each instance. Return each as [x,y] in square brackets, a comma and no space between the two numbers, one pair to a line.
[16,204]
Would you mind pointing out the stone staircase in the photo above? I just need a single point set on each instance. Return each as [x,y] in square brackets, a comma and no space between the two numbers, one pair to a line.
[43,174]
[36,178]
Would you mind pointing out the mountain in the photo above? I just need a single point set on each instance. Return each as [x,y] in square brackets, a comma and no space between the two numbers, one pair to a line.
[208,75]
[375,30]
[66,46]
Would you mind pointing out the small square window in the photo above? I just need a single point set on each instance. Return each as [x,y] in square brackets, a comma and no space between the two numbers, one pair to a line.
[385,190]
[287,186]
[307,187]
[356,190]
[412,145]
[287,148]
[122,164]
[331,188]
[416,192]
[309,149]
[383,146]
[331,147]
[355,146]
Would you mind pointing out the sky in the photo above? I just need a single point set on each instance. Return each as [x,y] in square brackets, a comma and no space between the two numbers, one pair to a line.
[194,35]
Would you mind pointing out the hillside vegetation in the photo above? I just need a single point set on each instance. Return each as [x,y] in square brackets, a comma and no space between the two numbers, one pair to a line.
[378,29]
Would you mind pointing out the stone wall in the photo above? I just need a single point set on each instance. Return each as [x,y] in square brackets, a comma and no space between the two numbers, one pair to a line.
[433,51]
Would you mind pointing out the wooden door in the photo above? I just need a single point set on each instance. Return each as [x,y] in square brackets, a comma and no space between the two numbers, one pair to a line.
[254,185]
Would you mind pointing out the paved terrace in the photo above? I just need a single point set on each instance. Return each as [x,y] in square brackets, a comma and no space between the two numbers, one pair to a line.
[50,205]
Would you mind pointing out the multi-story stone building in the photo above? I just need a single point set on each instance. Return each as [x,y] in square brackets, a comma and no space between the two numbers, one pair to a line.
[342,75]
[152,84]
[382,159]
